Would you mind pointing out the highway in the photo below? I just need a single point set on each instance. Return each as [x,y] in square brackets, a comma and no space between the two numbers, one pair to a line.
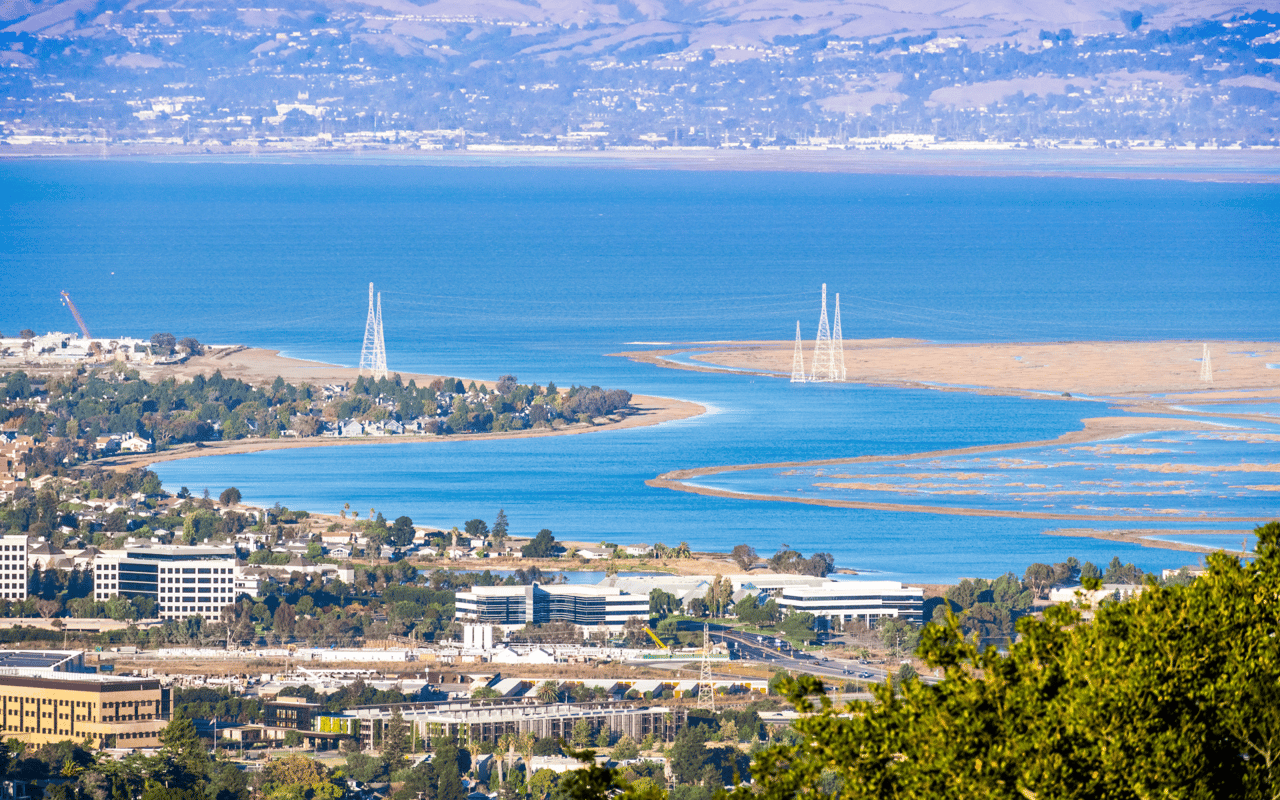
[748,647]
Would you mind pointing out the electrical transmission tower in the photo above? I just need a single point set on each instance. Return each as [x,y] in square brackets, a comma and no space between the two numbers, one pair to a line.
[837,347]
[373,355]
[1206,366]
[706,692]
[797,360]
[823,354]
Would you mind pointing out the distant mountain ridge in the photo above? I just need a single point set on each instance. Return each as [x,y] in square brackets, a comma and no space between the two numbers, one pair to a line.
[707,24]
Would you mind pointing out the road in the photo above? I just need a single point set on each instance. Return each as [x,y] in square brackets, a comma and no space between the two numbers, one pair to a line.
[748,647]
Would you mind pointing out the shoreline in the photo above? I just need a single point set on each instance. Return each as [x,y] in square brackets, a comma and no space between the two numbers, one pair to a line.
[1096,429]
[260,365]
[1142,538]
[1252,166]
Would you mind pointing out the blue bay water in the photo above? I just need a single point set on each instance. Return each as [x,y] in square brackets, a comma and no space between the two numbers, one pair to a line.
[544,271]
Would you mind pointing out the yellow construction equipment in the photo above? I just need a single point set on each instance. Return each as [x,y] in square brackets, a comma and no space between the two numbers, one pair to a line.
[655,638]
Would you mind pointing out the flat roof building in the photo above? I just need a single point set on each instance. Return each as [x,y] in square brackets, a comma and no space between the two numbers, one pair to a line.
[184,581]
[104,711]
[517,606]
[869,601]
[13,567]
[42,663]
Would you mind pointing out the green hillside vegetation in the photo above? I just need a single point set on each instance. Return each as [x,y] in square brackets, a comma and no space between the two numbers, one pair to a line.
[1175,693]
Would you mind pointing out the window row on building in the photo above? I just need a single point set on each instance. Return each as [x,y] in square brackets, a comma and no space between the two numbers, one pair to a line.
[516,606]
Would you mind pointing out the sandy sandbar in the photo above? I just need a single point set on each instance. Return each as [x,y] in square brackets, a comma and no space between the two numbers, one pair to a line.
[1133,372]
[1095,429]
[1142,537]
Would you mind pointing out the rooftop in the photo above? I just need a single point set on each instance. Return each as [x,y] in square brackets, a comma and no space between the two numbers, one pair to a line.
[35,659]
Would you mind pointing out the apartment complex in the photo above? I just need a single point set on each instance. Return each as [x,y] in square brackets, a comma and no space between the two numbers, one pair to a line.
[184,581]
[47,696]
[516,606]
[869,601]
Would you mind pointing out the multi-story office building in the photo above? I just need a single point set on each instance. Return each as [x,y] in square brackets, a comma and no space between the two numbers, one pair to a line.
[516,606]
[13,567]
[870,601]
[184,581]
[47,696]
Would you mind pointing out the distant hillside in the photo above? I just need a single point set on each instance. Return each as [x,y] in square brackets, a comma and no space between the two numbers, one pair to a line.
[573,73]
[707,24]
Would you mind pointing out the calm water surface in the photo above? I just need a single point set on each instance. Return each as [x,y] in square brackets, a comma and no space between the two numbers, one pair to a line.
[544,271]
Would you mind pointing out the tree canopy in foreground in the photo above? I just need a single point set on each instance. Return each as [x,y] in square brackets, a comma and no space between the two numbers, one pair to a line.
[1175,693]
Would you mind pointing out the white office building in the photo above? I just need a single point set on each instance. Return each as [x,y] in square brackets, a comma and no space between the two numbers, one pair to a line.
[590,607]
[184,581]
[13,567]
[842,601]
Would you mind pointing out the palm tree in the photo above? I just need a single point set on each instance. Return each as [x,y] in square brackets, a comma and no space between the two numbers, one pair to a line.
[523,744]
[683,551]
[548,692]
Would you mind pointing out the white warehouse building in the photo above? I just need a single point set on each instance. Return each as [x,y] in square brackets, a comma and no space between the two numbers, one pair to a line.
[842,601]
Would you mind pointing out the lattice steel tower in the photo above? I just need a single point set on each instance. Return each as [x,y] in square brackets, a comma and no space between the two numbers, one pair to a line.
[706,692]
[823,353]
[1206,366]
[373,355]
[797,359]
[837,347]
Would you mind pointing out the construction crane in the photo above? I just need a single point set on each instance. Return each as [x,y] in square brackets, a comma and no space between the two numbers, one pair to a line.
[66,300]
[656,640]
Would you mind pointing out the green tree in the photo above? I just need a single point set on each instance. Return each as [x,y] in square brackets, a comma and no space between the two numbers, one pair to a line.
[1038,578]
[626,749]
[744,556]
[688,754]
[449,782]
[1173,693]
[185,755]
[899,636]
[395,740]
[230,496]
[541,546]
[297,777]
[500,530]
[581,735]
[541,783]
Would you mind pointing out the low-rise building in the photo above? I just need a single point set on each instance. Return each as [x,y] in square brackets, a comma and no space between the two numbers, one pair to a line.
[472,723]
[48,696]
[590,607]
[869,601]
